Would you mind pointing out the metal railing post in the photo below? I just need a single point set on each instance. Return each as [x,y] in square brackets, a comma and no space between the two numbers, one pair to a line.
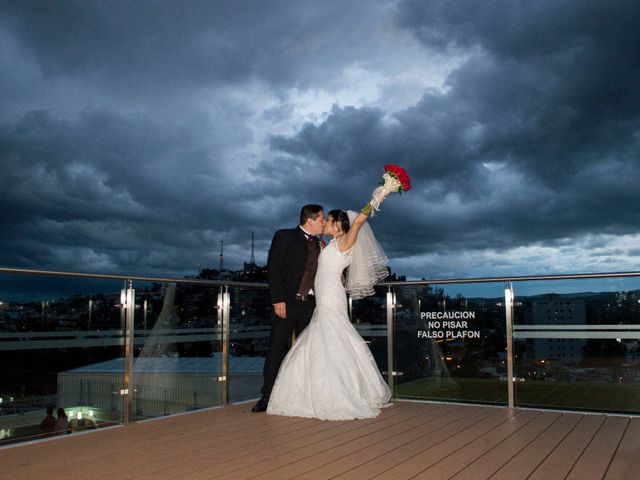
[350,303]
[390,357]
[127,305]
[224,316]
[508,306]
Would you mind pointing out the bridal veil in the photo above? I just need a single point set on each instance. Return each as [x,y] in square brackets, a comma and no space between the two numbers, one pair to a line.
[369,264]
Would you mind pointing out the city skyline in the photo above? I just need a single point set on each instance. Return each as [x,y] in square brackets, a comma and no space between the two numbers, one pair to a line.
[135,137]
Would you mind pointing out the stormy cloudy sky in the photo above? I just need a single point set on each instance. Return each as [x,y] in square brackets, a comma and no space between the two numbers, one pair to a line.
[134,136]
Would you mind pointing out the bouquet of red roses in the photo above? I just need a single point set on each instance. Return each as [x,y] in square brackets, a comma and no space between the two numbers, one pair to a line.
[396,180]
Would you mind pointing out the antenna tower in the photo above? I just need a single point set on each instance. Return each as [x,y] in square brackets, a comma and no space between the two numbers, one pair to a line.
[221,267]
[253,251]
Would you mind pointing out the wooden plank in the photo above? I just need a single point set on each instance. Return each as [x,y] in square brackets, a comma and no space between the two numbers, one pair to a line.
[458,460]
[428,440]
[564,456]
[389,454]
[495,458]
[123,448]
[400,454]
[185,460]
[626,461]
[324,453]
[244,455]
[133,446]
[370,459]
[426,457]
[224,457]
[353,435]
[528,459]
[594,461]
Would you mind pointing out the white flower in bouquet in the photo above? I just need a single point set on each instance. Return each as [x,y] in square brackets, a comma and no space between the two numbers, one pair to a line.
[396,180]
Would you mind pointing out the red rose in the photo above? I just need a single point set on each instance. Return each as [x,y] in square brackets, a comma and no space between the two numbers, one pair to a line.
[401,174]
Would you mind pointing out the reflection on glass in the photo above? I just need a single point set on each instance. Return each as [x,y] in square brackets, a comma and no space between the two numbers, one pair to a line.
[177,349]
[249,332]
[448,345]
[578,347]
[52,330]
[369,317]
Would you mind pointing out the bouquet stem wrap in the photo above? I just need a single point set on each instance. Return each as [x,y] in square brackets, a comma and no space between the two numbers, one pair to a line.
[391,185]
[396,180]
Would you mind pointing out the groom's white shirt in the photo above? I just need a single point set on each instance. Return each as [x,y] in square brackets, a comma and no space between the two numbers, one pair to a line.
[309,235]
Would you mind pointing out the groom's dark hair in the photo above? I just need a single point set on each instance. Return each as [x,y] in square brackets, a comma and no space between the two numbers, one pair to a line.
[309,211]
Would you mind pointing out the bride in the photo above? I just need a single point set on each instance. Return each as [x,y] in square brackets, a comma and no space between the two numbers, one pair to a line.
[330,373]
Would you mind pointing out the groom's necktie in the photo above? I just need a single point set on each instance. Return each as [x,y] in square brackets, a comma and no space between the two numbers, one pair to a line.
[310,268]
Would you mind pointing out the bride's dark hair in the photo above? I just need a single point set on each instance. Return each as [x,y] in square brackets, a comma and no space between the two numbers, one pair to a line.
[341,217]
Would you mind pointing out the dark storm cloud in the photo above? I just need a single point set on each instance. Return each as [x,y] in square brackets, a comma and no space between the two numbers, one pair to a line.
[534,139]
[124,122]
[124,166]
[105,191]
[135,136]
[554,82]
[148,45]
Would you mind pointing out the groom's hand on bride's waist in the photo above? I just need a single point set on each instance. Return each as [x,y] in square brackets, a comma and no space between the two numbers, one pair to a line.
[280,309]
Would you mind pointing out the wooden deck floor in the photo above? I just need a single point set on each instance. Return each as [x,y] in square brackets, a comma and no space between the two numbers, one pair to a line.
[408,440]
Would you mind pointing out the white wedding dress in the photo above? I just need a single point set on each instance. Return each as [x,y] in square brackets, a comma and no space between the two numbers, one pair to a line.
[329,373]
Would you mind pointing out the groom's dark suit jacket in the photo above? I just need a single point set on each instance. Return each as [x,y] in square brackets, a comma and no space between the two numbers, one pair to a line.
[286,264]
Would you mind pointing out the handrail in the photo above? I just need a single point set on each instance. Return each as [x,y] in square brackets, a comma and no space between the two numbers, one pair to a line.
[142,278]
[197,281]
[571,276]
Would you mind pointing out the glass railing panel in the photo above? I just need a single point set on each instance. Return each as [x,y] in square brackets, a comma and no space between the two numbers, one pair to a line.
[54,334]
[449,342]
[369,317]
[177,365]
[249,330]
[577,344]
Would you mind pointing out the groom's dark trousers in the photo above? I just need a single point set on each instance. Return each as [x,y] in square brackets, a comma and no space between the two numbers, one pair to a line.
[298,315]
[291,265]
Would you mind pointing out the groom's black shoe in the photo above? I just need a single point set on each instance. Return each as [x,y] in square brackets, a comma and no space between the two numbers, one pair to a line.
[261,406]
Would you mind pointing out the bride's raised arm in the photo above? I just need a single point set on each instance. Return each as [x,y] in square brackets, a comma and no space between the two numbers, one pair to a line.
[396,180]
[349,239]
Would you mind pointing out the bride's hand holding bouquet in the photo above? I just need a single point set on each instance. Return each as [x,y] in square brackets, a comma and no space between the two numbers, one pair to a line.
[396,180]
[369,264]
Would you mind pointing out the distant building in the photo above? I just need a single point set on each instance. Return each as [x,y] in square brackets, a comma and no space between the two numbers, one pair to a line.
[163,385]
[555,310]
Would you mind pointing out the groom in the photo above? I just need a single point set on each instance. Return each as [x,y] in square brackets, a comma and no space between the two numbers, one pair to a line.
[292,265]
